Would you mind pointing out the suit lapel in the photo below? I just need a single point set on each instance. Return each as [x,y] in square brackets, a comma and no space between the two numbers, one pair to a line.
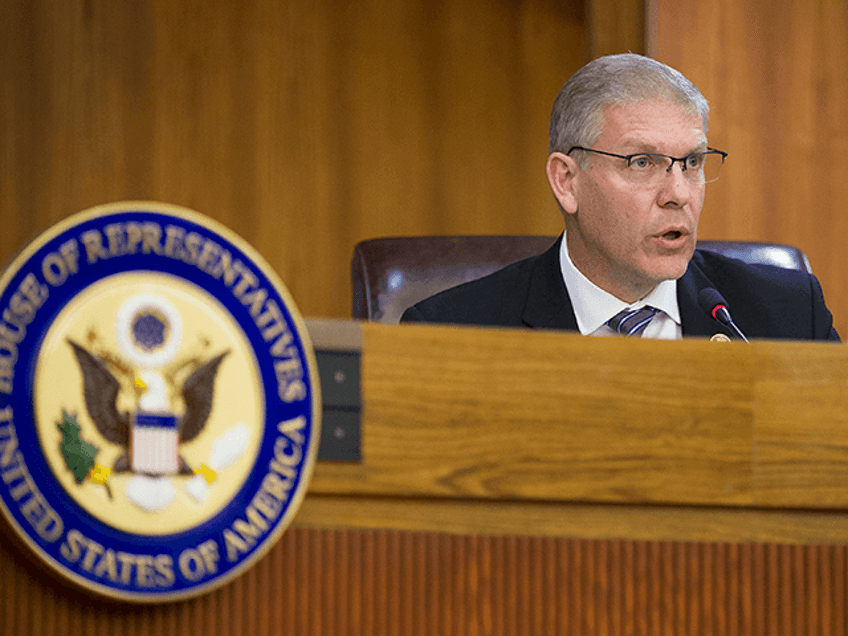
[694,320]
[548,305]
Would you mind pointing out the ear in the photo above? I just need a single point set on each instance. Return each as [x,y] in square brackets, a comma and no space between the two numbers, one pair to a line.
[562,171]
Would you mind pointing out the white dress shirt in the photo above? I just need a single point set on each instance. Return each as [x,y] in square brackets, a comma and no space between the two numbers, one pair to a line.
[593,307]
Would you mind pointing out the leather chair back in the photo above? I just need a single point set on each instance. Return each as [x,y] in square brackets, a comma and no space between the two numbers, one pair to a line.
[391,274]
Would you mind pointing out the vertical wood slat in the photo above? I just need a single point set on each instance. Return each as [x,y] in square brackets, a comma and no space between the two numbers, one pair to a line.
[778,111]
[305,125]
[379,583]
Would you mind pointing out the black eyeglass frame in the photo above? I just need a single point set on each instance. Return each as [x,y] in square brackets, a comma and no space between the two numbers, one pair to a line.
[629,158]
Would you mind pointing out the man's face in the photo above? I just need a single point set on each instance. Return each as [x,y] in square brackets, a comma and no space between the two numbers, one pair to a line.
[627,237]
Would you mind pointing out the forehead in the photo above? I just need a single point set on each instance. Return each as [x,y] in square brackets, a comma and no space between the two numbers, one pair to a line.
[658,125]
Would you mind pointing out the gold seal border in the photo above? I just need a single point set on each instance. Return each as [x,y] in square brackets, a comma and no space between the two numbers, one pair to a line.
[25,255]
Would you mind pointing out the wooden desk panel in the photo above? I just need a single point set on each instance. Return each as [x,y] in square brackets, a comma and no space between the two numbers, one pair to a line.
[526,483]
[513,414]
[397,583]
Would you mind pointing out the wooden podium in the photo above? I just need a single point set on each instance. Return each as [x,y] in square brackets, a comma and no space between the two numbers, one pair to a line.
[517,482]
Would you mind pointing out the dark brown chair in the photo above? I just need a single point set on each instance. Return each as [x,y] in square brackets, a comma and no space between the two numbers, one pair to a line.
[391,274]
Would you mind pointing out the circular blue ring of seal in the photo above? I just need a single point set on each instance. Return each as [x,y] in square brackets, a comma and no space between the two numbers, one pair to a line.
[151,568]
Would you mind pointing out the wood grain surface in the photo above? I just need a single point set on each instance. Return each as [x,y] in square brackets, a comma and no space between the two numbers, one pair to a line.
[639,522]
[515,414]
[776,75]
[305,126]
[396,583]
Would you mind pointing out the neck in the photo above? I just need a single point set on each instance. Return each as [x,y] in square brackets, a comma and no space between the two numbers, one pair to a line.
[597,270]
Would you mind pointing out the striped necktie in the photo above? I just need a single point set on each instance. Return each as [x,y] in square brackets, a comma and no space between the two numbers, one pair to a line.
[632,322]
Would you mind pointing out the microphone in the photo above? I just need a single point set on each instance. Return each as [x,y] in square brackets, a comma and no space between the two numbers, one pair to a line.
[713,303]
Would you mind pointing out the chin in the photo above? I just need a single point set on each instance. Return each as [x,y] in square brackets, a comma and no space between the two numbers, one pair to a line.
[669,268]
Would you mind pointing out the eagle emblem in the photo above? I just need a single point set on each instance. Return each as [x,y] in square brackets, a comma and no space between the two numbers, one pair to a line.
[101,388]
[163,413]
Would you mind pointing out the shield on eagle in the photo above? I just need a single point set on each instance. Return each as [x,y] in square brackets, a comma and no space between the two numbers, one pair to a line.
[155,444]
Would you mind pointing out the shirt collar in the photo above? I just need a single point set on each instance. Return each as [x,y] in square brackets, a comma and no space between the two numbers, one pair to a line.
[593,306]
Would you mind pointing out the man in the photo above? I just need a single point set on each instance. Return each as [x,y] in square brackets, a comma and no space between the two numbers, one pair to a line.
[628,165]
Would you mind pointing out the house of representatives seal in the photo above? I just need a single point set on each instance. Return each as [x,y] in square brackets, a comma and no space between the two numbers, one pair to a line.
[159,402]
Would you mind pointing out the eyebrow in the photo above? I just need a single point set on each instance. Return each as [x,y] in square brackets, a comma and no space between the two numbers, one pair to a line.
[651,149]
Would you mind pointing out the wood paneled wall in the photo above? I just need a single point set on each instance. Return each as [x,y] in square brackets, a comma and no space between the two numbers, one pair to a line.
[308,125]
[776,75]
[304,125]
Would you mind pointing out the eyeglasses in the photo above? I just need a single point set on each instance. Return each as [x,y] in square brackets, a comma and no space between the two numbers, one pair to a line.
[645,167]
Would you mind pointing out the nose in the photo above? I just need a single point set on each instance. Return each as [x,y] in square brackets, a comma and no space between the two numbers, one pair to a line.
[676,190]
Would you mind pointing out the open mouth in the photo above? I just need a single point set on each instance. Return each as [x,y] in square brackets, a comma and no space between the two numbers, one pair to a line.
[672,235]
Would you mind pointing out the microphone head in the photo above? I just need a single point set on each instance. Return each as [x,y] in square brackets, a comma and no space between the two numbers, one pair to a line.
[711,300]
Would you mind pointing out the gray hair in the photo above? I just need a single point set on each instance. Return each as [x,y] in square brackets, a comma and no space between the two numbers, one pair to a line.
[615,79]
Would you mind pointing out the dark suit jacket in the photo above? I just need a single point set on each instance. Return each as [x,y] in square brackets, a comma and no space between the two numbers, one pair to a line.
[765,301]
